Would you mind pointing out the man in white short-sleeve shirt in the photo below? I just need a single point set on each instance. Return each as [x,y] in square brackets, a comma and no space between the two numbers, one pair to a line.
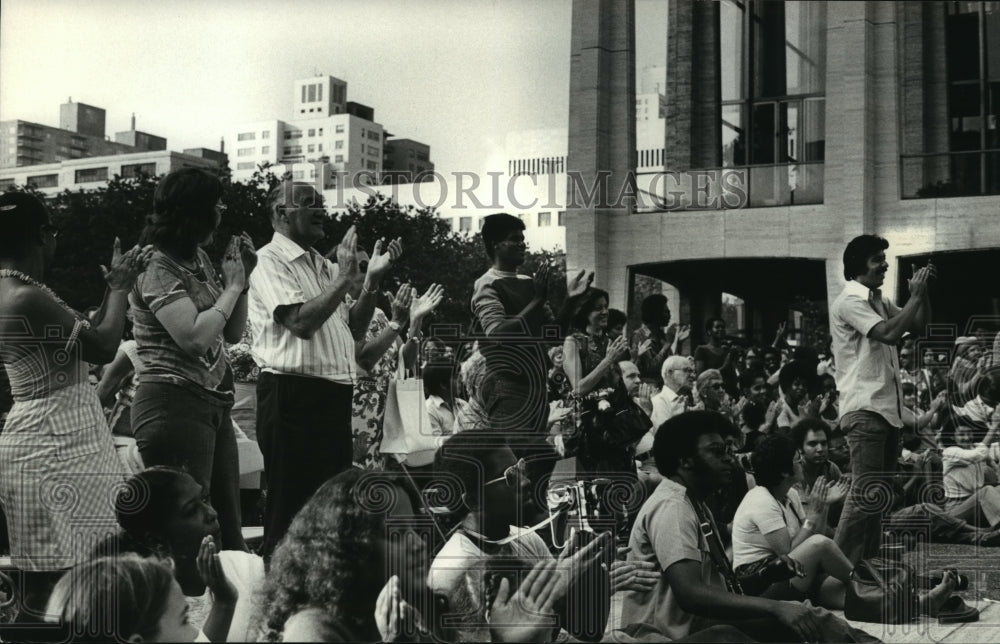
[866,327]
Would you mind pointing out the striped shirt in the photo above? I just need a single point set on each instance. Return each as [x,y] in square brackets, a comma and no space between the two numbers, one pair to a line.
[286,274]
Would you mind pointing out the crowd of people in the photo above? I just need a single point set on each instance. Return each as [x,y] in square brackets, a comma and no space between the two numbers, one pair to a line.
[549,460]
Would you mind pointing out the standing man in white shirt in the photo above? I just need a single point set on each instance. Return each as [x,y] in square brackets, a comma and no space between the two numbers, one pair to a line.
[866,327]
[304,329]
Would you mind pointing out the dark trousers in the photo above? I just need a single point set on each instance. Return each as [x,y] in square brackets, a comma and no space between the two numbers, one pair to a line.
[519,408]
[176,427]
[304,433]
[874,445]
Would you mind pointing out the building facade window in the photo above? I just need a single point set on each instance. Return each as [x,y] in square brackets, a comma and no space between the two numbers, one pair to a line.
[44,181]
[339,158]
[89,175]
[266,149]
[559,218]
[311,148]
[340,129]
[246,165]
[245,152]
[465,224]
[246,136]
[772,77]
[949,99]
[266,134]
[339,145]
[544,219]
[135,169]
[312,131]
[6,183]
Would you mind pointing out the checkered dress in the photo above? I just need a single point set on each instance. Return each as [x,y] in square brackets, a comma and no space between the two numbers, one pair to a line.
[58,471]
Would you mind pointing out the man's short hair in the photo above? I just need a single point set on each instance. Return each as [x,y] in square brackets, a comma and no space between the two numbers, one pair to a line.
[673,362]
[496,228]
[652,308]
[677,437]
[278,196]
[857,253]
[802,428]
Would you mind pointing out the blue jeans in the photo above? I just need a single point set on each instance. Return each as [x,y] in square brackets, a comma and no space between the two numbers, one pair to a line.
[874,445]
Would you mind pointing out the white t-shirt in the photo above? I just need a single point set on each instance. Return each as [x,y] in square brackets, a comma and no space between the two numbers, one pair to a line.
[760,514]
[460,554]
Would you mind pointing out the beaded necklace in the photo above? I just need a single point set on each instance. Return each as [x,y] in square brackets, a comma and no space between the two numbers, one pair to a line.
[9,272]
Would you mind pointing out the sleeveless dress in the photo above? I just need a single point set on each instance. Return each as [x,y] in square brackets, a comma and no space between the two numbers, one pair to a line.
[59,474]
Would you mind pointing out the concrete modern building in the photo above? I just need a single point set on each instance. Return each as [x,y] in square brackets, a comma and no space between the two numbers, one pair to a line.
[791,127]
[405,160]
[80,134]
[327,140]
[91,172]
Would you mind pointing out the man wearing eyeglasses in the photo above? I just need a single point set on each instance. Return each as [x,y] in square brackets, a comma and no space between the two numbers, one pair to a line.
[304,332]
[678,376]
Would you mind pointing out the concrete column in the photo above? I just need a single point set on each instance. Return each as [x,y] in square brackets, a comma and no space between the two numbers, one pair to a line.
[601,160]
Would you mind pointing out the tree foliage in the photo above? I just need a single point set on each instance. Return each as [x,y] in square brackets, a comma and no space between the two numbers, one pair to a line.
[89,220]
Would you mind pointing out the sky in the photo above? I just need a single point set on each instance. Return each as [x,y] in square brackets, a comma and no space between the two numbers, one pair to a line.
[455,74]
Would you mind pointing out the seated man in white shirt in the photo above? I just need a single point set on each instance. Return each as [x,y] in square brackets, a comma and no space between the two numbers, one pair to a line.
[678,377]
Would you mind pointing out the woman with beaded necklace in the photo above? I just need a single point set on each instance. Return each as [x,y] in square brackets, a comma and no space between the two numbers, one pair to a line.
[58,467]
[182,315]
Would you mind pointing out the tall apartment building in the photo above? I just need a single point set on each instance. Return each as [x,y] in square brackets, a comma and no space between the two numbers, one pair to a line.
[327,139]
[832,119]
[80,135]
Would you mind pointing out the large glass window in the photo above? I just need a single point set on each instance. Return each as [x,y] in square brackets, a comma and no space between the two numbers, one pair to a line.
[772,74]
[949,98]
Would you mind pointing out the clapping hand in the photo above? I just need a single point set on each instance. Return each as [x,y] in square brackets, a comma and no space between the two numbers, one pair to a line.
[381,262]
[527,615]
[617,349]
[247,253]
[541,282]
[210,570]
[837,491]
[818,497]
[401,304]
[421,306]
[347,255]
[233,268]
[580,283]
[683,332]
[640,576]
[645,346]
[125,268]
[394,616]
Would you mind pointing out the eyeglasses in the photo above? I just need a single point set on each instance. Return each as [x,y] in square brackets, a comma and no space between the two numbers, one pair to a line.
[685,370]
[513,475]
